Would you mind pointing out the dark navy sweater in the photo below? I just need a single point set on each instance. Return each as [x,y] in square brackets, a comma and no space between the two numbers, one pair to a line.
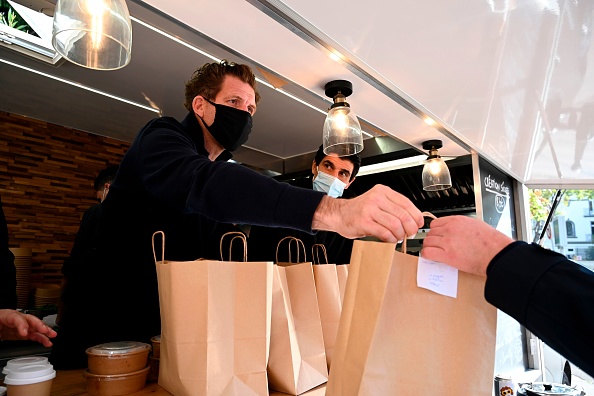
[550,295]
[165,182]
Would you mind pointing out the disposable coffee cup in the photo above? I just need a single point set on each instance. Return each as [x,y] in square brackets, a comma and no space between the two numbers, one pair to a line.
[30,380]
[504,385]
[23,361]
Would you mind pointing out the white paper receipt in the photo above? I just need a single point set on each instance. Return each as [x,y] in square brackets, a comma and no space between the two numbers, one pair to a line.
[437,277]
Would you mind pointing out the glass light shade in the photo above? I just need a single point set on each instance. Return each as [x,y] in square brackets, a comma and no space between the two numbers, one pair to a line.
[96,34]
[436,175]
[342,132]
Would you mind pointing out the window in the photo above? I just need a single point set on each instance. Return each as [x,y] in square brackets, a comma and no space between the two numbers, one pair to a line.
[570,228]
[575,242]
[27,31]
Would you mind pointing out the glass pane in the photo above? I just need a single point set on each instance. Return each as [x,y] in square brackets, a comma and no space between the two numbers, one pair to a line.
[569,232]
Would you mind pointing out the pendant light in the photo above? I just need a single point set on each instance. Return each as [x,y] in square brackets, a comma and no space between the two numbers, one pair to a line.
[342,131]
[96,34]
[436,175]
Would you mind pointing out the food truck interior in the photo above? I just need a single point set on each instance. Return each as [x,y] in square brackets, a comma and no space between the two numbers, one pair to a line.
[506,85]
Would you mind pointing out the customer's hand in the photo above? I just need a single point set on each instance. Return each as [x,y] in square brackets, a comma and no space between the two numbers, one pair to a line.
[380,212]
[15,325]
[463,242]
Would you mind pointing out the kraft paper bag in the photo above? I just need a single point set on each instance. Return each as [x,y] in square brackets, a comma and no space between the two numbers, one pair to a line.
[342,271]
[215,325]
[329,300]
[297,360]
[395,338]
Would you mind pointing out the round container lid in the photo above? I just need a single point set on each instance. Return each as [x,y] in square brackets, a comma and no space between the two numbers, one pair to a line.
[503,377]
[118,348]
[23,361]
[542,388]
[2,390]
[156,338]
[31,374]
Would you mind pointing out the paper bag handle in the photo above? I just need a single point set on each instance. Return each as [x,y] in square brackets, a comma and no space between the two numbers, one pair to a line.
[425,214]
[237,235]
[297,241]
[162,246]
[315,253]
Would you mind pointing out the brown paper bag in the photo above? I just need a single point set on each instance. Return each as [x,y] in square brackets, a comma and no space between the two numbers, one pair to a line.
[297,360]
[395,338]
[215,325]
[342,271]
[329,300]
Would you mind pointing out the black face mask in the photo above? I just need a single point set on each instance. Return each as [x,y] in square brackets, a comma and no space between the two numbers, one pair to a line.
[231,127]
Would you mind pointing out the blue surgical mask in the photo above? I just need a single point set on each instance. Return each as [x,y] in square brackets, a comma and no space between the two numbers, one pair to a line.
[328,184]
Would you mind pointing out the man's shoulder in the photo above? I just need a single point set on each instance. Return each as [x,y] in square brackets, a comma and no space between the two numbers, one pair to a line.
[165,123]
[93,210]
[161,128]
[91,215]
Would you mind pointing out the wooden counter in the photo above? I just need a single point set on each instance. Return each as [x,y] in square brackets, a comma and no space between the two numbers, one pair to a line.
[72,383]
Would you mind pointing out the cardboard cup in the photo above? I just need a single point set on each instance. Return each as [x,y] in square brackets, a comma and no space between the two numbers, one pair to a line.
[38,389]
[30,380]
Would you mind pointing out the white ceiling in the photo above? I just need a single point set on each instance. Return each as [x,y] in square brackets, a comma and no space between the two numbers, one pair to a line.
[498,75]
[509,79]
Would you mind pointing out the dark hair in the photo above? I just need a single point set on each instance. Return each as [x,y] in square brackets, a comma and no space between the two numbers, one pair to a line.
[355,159]
[207,80]
[105,176]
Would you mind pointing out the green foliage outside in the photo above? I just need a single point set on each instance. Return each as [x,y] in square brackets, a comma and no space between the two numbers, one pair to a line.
[9,17]
[541,201]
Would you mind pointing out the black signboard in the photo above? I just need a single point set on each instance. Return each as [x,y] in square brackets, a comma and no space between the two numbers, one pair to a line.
[498,210]
[497,198]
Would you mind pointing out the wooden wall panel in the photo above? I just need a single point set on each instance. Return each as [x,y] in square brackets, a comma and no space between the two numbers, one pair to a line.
[46,184]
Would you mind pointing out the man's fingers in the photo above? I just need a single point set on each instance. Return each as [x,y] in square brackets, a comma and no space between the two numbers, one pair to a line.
[41,339]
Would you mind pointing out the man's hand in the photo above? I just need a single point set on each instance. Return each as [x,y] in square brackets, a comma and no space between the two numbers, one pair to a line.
[463,242]
[15,325]
[380,212]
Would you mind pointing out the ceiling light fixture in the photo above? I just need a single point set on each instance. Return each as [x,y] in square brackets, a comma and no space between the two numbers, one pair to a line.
[96,34]
[436,175]
[342,131]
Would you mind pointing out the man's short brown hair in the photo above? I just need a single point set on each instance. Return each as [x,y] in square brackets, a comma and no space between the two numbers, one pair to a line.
[355,159]
[207,80]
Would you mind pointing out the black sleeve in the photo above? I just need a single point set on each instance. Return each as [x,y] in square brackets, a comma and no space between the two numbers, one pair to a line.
[8,296]
[550,295]
[191,183]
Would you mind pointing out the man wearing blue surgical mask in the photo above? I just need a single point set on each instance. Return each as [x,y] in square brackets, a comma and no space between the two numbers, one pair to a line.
[331,175]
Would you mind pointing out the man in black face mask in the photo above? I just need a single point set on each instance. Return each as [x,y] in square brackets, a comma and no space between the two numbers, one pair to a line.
[175,178]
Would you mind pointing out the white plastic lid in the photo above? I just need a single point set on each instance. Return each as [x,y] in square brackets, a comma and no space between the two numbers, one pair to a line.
[23,361]
[118,348]
[30,374]
[2,390]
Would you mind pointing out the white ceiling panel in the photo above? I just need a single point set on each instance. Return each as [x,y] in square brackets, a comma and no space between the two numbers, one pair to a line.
[502,77]
[510,79]
[257,36]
